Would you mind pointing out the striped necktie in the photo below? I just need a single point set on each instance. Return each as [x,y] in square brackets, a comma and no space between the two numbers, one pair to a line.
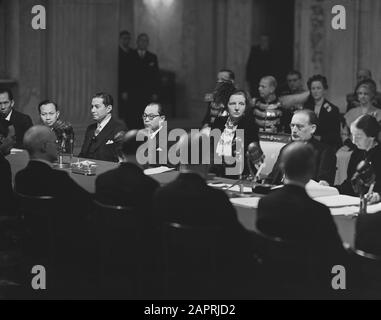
[97,131]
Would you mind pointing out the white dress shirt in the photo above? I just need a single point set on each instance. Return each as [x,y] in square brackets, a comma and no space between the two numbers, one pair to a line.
[8,118]
[102,124]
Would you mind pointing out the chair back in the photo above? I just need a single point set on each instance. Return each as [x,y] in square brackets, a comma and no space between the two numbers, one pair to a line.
[120,236]
[290,269]
[368,274]
[191,261]
[38,214]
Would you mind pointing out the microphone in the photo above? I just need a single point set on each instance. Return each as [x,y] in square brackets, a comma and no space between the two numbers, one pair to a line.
[363,182]
[255,159]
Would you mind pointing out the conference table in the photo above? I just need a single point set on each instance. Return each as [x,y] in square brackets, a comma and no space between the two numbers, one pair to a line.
[246,215]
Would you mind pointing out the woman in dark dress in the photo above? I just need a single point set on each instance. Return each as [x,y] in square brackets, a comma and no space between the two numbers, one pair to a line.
[238,128]
[328,114]
[365,132]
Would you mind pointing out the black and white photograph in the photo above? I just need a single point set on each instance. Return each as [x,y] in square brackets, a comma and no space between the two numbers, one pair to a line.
[190,155]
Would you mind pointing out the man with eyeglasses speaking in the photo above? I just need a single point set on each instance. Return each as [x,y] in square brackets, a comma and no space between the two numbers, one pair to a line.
[303,127]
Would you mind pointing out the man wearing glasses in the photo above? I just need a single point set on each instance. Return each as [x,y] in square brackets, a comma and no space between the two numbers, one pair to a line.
[20,121]
[303,127]
[154,120]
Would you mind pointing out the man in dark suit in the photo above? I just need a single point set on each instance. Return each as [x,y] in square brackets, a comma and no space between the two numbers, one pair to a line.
[290,214]
[190,202]
[99,138]
[7,141]
[127,185]
[368,237]
[20,121]
[303,126]
[145,81]
[39,178]
[69,234]
[261,63]
[156,130]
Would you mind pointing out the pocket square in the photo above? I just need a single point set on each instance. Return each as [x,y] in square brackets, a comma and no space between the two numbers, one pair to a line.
[109,142]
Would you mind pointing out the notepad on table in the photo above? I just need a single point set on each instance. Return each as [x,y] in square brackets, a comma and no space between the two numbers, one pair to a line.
[316,190]
[339,201]
[152,171]
[246,202]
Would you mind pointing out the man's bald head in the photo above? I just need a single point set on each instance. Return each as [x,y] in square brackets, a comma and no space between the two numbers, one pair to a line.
[40,142]
[267,87]
[298,162]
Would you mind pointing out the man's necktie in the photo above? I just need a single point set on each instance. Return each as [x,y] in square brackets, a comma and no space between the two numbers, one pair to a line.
[97,131]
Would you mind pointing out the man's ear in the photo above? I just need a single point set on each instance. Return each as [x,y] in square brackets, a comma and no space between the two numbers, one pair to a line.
[12,103]
[313,128]
[58,114]
[44,147]
[109,108]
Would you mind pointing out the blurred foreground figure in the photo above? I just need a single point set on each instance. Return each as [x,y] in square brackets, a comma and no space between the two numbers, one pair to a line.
[7,141]
[302,223]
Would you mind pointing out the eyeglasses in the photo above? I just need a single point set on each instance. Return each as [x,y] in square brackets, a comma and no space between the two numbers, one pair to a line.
[150,116]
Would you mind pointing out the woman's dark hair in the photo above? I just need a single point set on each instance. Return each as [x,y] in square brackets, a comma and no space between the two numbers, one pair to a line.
[245,95]
[320,78]
[222,93]
[241,93]
[369,125]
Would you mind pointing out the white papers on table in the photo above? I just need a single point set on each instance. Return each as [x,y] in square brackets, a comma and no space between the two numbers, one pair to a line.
[219,185]
[246,202]
[228,187]
[352,210]
[152,171]
[14,151]
[374,208]
[345,211]
[339,201]
[245,189]
[316,190]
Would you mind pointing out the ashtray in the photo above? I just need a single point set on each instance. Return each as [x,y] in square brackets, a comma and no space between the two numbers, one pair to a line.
[263,188]
[86,168]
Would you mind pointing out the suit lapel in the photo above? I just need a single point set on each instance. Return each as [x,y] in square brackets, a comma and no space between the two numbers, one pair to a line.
[104,135]
[13,118]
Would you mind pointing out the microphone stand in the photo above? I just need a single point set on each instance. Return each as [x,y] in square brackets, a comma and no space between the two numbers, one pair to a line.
[363,204]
